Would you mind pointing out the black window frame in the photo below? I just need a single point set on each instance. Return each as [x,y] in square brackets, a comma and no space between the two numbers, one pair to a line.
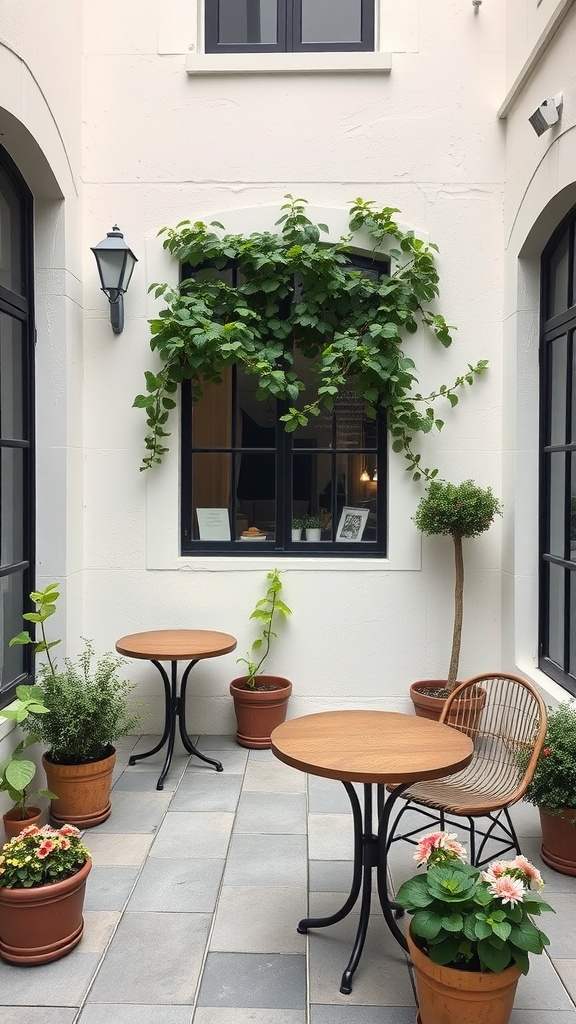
[21,307]
[377,455]
[554,328]
[289,22]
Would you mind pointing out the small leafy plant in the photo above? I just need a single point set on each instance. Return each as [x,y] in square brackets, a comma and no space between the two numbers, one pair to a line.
[299,523]
[265,611]
[457,511]
[16,771]
[41,856]
[553,784]
[469,919]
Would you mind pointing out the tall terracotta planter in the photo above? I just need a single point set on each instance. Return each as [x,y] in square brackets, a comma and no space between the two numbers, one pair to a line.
[559,840]
[42,924]
[466,712]
[448,996]
[13,823]
[258,712]
[83,791]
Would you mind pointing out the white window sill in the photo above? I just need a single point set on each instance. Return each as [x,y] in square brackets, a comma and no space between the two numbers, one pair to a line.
[281,63]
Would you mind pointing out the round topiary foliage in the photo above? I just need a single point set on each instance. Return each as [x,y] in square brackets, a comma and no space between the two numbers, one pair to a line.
[457,510]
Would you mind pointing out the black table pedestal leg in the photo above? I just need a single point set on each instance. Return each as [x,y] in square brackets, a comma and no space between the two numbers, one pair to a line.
[389,908]
[187,742]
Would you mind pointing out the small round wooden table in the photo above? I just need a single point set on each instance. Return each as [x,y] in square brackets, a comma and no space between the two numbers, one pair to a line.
[174,645]
[381,748]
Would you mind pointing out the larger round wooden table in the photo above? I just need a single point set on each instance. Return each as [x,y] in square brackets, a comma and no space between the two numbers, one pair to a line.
[174,645]
[375,748]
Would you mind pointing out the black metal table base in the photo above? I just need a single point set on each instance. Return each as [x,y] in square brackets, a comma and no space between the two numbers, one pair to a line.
[370,852]
[174,708]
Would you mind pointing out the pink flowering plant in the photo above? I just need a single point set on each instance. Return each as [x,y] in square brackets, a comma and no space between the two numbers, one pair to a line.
[41,856]
[470,919]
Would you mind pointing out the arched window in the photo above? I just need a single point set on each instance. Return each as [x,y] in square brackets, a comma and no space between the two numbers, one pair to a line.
[16,421]
[558,458]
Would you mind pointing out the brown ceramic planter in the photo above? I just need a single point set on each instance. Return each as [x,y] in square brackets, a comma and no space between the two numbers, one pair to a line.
[559,840]
[258,712]
[13,823]
[467,713]
[42,924]
[448,996]
[83,791]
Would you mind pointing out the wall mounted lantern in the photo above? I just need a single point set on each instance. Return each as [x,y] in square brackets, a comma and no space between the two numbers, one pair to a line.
[115,265]
[548,114]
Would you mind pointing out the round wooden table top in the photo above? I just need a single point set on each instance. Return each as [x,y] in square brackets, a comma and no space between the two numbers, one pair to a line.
[176,644]
[371,746]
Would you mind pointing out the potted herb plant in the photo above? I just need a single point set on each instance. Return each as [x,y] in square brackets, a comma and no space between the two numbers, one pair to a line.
[471,932]
[43,874]
[313,527]
[298,524]
[553,789]
[89,709]
[17,771]
[260,701]
[458,511]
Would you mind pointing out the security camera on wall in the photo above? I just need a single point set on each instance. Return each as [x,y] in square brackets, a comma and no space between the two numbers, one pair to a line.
[547,114]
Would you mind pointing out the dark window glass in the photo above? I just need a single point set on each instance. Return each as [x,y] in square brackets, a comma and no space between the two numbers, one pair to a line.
[245,26]
[558,462]
[16,432]
[245,481]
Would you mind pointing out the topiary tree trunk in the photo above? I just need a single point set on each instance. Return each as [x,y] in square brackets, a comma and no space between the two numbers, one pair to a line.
[458,605]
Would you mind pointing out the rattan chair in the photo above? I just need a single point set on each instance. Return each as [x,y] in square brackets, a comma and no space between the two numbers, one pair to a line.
[506,718]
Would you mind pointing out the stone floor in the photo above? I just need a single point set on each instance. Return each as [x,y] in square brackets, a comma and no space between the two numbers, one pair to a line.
[193,900]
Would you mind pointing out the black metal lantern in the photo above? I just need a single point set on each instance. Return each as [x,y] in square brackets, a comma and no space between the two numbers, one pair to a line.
[115,265]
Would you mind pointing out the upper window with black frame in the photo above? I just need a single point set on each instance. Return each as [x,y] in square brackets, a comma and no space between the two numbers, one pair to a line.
[250,486]
[267,26]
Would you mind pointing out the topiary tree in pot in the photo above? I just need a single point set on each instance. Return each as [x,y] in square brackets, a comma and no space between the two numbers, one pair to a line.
[458,511]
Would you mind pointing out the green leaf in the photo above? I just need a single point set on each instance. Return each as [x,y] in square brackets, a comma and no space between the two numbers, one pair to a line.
[19,774]
[22,638]
[493,958]
[445,952]
[426,923]
[453,922]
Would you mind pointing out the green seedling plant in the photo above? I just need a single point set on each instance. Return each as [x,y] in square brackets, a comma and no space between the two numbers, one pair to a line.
[16,771]
[266,611]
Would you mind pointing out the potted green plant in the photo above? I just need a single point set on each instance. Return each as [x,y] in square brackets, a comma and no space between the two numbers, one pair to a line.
[43,874]
[260,701]
[298,524]
[471,931]
[458,511]
[553,789]
[313,527]
[17,771]
[89,709]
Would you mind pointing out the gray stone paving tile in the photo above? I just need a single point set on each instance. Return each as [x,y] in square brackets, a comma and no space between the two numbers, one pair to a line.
[267,861]
[328,796]
[281,814]
[37,1015]
[215,741]
[262,755]
[330,836]
[567,971]
[99,926]
[555,881]
[123,1013]
[255,920]
[62,983]
[193,834]
[526,819]
[144,781]
[332,876]
[276,980]
[233,760]
[382,977]
[119,847]
[560,928]
[247,1015]
[183,886]
[109,887]
[135,812]
[214,792]
[362,1014]
[273,777]
[542,1016]
[164,952]
[542,989]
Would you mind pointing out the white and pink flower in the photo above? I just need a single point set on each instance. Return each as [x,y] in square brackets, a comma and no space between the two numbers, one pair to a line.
[443,843]
[509,890]
[532,876]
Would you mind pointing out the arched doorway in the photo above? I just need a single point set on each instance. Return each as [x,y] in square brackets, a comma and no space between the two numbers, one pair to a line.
[16,421]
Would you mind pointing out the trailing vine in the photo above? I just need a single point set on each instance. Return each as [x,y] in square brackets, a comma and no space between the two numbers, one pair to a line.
[298,292]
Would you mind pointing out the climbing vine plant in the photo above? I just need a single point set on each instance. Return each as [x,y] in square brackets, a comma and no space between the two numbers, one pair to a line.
[298,292]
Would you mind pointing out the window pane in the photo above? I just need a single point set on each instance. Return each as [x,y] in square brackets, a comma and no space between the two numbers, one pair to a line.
[324,484]
[350,421]
[11,506]
[572,653]
[331,21]
[211,484]
[212,416]
[11,254]
[556,614]
[558,368]
[11,605]
[255,420]
[256,492]
[11,370]
[572,552]
[247,21]
[557,497]
[558,278]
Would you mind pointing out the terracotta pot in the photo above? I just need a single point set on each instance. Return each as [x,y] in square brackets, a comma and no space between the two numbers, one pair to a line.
[13,823]
[83,791]
[559,840]
[258,712]
[467,712]
[447,996]
[42,924]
